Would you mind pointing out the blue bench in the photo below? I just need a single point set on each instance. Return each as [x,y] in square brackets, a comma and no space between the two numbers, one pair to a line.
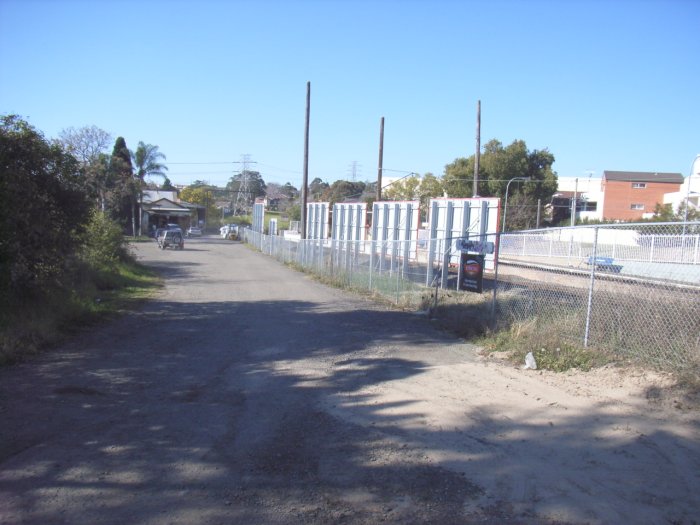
[604,264]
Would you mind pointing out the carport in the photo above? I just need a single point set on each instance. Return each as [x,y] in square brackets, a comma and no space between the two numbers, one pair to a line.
[164,211]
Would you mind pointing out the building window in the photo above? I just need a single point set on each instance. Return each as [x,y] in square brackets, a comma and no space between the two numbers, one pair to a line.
[639,185]
[637,207]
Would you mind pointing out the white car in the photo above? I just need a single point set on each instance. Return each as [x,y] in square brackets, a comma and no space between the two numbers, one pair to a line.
[194,231]
[228,229]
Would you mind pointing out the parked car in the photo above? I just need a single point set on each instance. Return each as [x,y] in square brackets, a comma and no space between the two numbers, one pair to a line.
[170,238]
[194,231]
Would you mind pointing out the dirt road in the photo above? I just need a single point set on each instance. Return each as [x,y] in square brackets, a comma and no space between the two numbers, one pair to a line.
[248,393]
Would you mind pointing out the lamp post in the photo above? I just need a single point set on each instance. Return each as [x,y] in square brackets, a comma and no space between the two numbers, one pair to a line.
[687,192]
[505,207]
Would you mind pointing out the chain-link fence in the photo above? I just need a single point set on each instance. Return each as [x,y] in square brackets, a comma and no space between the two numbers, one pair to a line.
[631,289]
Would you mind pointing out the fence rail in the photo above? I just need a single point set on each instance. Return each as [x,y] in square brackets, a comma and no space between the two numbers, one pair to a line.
[633,290]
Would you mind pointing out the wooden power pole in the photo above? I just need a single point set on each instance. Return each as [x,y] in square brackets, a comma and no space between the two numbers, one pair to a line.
[478,149]
[305,182]
[381,160]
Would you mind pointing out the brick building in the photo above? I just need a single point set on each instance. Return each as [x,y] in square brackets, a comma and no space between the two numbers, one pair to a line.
[632,195]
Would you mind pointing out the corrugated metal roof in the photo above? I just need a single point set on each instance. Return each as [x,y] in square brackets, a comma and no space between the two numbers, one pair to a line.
[643,176]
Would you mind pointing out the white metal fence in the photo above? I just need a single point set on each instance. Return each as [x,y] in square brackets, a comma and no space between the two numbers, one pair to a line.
[630,289]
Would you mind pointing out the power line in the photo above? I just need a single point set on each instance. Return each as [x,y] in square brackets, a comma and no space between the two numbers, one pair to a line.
[198,163]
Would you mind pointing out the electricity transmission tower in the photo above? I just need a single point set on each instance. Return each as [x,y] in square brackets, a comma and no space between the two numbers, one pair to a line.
[243,195]
[354,169]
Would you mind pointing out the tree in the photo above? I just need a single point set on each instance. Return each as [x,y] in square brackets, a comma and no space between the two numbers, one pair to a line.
[146,160]
[147,163]
[430,187]
[125,188]
[405,189]
[85,143]
[316,189]
[497,167]
[167,185]
[416,188]
[290,191]
[89,145]
[663,213]
[46,209]
[693,212]
[245,187]
[203,196]
[342,190]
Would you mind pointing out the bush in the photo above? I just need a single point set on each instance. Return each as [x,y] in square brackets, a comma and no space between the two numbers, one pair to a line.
[45,210]
[103,243]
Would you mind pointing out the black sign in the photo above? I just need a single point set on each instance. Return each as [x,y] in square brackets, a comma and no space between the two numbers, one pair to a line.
[471,272]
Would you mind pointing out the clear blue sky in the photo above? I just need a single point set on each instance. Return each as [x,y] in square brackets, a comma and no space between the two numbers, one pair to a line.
[604,85]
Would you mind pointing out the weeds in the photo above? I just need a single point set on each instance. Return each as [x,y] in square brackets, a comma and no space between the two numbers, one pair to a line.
[550,352]
[100,278]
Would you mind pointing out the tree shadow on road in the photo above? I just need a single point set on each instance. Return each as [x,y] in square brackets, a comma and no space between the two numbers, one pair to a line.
[295,412]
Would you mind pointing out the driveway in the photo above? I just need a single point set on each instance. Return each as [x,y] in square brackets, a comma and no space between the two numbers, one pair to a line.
[248,393]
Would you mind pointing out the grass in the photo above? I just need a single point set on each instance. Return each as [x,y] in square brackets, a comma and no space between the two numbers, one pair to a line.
[39,321]
[548,348]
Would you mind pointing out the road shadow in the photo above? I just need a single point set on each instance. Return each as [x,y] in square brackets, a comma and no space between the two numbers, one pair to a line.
[272,412]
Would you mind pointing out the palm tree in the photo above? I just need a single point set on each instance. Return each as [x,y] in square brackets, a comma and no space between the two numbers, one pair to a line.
[147,163]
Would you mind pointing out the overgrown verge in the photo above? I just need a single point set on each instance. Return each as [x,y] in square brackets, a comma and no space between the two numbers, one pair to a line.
[99,280]
[550,351]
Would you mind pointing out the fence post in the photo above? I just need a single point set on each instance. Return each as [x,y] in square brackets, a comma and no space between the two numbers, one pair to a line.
[590,289]
[432,243]
[446,252]
[371,261]
[496,264]
[398,275]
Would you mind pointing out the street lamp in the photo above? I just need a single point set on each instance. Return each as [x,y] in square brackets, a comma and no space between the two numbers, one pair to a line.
[687,193]
[505,207]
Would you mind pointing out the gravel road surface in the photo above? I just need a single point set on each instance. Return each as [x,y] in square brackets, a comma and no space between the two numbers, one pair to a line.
[248,393]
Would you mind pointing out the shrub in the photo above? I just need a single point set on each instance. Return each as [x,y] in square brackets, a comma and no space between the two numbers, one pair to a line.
[103,243]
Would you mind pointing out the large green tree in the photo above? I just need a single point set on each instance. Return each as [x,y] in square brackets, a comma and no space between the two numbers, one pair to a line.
[498,166]
[46,209]
[125,189]
[342,190]
[147,162]
[316,189]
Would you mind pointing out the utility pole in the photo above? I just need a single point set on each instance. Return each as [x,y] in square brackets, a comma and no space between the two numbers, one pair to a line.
[573,204]
[478,149]
[381,160]
[305,183]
